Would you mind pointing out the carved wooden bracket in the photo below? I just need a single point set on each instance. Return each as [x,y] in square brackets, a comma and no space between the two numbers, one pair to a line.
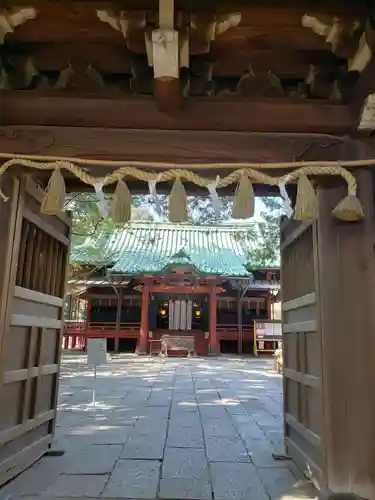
[347,39]
[205,29]
[129,24]
[323,84]
[4,85]
[21,74]
[367,121]
[11,18]
[169,46]
[251,86]
[79,75]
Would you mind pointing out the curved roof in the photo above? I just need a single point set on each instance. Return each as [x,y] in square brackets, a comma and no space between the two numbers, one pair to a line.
[149,248]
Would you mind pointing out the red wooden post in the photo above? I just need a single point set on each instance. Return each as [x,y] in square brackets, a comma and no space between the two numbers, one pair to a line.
[214,347]
[143,333]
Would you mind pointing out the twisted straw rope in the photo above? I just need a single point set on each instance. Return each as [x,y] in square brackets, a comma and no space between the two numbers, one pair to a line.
[130,170]
[194,166]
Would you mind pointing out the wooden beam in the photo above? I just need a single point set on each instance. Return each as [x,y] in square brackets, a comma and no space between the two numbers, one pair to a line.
[188,146]
[284,15]
[115,58]
[272,115]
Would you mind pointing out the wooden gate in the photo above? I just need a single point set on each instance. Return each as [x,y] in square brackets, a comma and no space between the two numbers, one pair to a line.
[33,256]
[302,349]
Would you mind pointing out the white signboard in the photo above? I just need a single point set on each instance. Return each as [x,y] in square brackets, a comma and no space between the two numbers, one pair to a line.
[268,330]
[96,352]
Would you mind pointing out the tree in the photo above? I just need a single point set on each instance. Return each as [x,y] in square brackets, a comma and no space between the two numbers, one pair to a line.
[268,251]
[88,224]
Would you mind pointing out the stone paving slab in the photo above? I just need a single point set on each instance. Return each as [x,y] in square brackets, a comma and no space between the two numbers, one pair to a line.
[226,449]
[108,434]
[145,447]
[186,463]
[166,428]
[186,419]
[134,479]
[213,411]
[237,481]
[146,426]
[93,459]
[176,488]
[219,427]
[77,486]
[185,437]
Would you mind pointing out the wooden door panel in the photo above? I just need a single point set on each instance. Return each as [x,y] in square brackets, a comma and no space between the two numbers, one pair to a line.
[303,409]
[31,321]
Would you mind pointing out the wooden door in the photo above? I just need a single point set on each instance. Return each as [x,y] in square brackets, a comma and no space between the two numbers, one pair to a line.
[34,255]
[303,404]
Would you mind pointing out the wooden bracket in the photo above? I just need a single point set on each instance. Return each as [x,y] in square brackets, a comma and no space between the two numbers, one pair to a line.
[367,118]
[79,74]
[128,23]
[166,60]
[10,19]
[361,57]
[345,38]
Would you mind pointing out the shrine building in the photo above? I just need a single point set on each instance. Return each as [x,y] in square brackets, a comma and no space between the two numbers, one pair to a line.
[153,279]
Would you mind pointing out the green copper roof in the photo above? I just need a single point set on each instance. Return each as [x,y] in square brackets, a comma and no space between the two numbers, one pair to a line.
[149,248]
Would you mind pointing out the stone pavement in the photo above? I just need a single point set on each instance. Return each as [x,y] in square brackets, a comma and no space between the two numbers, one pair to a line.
[196,428]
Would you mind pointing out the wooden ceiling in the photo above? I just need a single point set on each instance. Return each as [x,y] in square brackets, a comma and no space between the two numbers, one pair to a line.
[268,38]
[76,79]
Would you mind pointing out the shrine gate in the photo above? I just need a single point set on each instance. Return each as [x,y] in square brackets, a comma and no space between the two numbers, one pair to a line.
[167,96]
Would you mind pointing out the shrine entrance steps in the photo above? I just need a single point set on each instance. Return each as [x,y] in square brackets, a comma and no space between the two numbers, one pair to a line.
[198,428]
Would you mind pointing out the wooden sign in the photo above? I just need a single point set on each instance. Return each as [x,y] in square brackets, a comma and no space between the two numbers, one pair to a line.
[271,331]
[97,352]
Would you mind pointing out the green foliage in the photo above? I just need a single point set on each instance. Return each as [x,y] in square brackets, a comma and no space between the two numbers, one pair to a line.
[268,251]
[89,227]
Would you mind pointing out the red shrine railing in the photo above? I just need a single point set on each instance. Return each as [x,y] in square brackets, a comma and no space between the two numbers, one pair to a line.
[230,332]
[76,333]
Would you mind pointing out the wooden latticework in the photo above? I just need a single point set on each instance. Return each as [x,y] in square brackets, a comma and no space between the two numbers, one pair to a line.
[302,349]
[34,259]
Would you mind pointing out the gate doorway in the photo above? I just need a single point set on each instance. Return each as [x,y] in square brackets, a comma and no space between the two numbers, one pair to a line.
[34,256]
[160,97]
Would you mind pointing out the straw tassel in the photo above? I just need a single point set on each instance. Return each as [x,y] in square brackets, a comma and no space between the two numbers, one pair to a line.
[243,205]
[54,198]
[121,203]
[349,209]
[306,207]
[178,203]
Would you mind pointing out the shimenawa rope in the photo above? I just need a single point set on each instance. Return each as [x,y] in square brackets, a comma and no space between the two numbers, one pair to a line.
[349,209]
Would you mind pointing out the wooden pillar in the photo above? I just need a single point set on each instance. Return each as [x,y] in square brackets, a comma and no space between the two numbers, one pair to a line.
[269,308]
[346,287]
[239,321]
[143,333]
[214,347]
[70,307]
[88,309]
[118,319]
